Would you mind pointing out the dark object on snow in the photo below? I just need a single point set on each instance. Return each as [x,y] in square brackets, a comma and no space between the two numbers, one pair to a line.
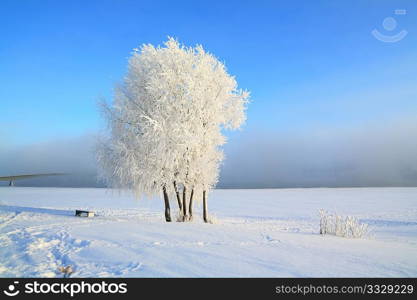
[84,213]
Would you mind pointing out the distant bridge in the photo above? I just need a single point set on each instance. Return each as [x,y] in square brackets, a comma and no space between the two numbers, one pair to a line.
[11,179]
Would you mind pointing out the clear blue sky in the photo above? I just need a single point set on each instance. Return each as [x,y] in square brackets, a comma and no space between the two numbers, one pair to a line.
[308,64]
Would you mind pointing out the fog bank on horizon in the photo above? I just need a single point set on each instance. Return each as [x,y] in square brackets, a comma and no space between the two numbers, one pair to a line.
[372,156]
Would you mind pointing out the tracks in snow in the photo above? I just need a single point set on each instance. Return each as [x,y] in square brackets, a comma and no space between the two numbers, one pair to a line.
[39,250]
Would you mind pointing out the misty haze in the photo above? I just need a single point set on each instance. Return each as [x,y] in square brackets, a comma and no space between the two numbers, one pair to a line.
[383,155]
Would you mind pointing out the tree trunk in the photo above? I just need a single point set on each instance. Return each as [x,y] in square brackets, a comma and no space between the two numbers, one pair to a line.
[178,196]
[190,207]
[184,204]
[205,217]
[167,208]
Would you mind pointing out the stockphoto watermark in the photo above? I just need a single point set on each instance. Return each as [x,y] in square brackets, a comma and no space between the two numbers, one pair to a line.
[67,288]
[391,32]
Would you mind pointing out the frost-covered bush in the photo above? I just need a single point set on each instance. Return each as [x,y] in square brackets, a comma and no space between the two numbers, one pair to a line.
[348,226]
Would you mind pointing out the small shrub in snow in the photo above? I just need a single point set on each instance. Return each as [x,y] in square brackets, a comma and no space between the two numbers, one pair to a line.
[348,227]
[212,219]
[181,218]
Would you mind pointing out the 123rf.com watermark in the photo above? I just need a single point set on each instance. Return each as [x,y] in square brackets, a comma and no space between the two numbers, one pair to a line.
[64,288]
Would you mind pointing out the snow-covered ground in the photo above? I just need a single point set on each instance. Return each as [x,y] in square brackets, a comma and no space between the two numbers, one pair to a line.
[257,233]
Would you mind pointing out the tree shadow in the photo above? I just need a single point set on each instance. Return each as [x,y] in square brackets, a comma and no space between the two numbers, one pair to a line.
[18,209]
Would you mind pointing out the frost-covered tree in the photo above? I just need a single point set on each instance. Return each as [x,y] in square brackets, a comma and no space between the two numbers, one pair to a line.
[165,124]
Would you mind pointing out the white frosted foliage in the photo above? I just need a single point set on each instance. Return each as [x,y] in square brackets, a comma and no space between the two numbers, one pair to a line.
[348,226]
